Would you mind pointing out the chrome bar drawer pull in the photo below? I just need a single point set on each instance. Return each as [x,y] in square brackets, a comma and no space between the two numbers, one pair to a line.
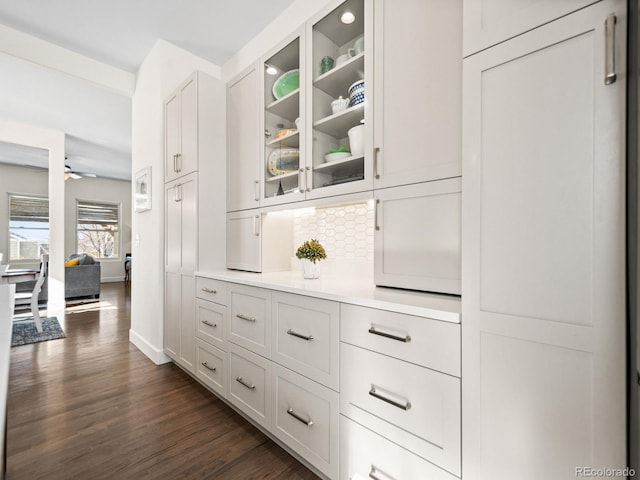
[610,75]
[209,290]
[205,365]
[404,339]
[250,386]
[308,423]
[299,335]
[403,406]
[245,317]
[375,473]
[209,324]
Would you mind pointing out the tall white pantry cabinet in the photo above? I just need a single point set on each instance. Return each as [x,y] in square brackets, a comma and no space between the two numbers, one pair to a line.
[543,212]
[194,149]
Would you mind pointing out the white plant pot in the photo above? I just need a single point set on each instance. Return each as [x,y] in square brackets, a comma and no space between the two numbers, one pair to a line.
[310,269]
[356,140]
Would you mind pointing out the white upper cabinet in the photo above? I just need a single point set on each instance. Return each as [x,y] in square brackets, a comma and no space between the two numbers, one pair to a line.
[418,91]
[417,236]
[339,62]
[284,158]
[543,280]
[181,130]
[243,141]
[489,22]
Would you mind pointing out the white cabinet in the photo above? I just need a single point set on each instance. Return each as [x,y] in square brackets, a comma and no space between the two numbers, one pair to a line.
[306,419]
[543,292]
[418,91]
[489,22]
[369,455]
[306,336]
[259,242]
[417,236]
[181,130]
[429,343]
[250,318]
[181,230]
[415,407]
[243,141]
[350,46]
[211,367]
[250,384]
[284,159]
[211,323]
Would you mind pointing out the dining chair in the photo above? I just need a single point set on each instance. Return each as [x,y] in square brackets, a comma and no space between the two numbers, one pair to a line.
[35,293]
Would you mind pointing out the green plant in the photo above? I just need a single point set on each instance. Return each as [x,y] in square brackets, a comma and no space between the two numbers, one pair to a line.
[311,250]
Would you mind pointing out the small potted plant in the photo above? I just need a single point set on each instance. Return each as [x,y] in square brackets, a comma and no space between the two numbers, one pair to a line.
[311,252]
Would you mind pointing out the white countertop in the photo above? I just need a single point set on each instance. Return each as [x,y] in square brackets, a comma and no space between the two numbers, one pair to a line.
[6,318]
[345,289]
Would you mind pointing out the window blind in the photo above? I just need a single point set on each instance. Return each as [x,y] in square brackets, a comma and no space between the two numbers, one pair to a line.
[95,213]
[24,208]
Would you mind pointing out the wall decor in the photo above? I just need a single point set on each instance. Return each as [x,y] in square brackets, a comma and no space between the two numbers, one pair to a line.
[142,200]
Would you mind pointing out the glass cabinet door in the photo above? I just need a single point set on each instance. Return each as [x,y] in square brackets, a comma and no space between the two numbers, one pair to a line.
[283,155]
[338,105]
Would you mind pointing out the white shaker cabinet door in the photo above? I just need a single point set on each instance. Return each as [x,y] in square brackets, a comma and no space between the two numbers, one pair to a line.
[243,141]
[244,246]
[188,160]
[489,22]
[543,292]
[171,137]
[418,91]
[417,236]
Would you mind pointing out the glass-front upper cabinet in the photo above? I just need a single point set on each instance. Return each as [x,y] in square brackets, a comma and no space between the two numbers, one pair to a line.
[284,165]
[339,59]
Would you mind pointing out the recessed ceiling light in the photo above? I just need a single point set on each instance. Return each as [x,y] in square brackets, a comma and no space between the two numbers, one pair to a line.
[271,70]
[347,17]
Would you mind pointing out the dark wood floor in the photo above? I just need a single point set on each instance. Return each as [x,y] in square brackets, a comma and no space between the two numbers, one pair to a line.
[91,406]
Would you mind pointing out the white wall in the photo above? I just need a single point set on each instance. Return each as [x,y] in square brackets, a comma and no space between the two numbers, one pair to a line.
[100,190]
[54,142]
[288,21]
[164,68]
[16,179]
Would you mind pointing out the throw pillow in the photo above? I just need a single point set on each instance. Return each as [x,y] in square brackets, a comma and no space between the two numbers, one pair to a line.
[72,262]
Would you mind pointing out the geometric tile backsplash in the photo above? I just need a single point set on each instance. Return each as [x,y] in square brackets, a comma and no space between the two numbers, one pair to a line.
[345,231]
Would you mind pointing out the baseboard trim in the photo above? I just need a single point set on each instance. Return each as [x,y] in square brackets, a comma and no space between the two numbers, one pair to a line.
[112,279]
[157,356]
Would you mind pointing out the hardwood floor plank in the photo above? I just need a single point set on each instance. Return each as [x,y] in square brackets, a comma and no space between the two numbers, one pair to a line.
[92,406]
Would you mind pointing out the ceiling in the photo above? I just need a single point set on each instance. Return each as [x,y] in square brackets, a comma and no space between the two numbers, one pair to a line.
[119,33]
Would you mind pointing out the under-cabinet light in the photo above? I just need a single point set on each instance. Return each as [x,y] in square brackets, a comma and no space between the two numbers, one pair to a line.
[347,17]
[271,70]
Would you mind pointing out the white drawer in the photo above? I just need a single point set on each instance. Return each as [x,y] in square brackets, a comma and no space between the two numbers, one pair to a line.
[307,419]
[365,453]
[426,342]
[212,290]
[305,336]
[211,320]
[250,318]
[211,367]
[250,384]
[415,407]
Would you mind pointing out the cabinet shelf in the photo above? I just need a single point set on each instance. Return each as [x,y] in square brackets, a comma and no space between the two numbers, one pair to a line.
[339,124]
[277,178]
[336,163]
[337,81]
[289,140]
[287,107]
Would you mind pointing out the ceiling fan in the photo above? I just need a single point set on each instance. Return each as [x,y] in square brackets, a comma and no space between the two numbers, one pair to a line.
[68,173]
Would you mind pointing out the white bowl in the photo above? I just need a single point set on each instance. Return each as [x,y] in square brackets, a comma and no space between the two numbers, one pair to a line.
[331,157]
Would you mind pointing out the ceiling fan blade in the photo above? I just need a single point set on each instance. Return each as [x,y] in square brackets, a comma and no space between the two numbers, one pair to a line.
[86,174]
[74,175]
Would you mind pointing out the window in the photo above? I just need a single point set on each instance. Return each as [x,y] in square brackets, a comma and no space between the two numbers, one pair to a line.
[98,229]
[28,227]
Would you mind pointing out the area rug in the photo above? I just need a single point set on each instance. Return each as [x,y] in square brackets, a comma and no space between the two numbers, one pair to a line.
[25,332]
